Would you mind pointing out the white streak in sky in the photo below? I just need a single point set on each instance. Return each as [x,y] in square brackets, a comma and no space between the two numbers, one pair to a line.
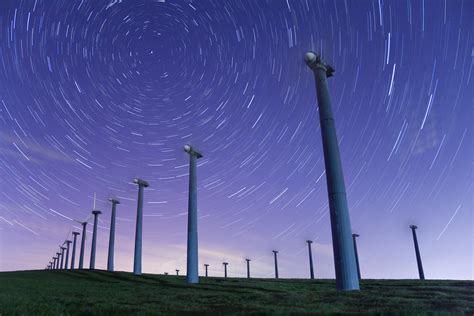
[257,120]
[428,108]
[2,218]
[21,151]
[445,227]
[61,214]
[388,49]
[26,228]
[304,199]
[439,148]
[286,230]
[324,171]
[276,198]
[391,82]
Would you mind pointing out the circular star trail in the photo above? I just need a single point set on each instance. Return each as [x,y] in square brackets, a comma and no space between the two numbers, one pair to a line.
[95,93]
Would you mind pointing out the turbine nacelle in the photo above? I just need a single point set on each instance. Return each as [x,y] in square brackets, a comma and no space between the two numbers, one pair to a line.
[192,151]
[114,201]
[314,61]
[140,182]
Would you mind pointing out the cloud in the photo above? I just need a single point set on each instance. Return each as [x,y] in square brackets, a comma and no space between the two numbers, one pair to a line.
[32,149]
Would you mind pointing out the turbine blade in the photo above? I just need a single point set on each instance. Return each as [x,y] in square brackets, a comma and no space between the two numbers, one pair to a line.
[67,236]
[88,218]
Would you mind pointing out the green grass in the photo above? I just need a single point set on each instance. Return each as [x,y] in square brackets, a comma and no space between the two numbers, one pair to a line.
[120,293]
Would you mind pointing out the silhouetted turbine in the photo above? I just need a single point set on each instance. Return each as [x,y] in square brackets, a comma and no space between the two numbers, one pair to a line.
[59,260]
[94,239]
[417,252]
[62,257]
[225,268]
[205,267]
[73,256]
[248,268]
[83,245]
[67,242]
[354,236]
[110,258]
[311,270]
[276,263]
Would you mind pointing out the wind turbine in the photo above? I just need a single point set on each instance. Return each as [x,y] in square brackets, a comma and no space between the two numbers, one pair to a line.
[73,256]
[83,241]
[68,243]
[110,258]
[62,256]
[94,236]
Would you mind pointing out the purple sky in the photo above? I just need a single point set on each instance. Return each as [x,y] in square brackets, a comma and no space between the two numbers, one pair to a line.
[95,93]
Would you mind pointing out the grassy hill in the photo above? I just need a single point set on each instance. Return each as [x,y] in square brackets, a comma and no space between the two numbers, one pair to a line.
[120,293]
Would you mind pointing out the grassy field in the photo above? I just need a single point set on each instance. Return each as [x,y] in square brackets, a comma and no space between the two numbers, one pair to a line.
[120,293]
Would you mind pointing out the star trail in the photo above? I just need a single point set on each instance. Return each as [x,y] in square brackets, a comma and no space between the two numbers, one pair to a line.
[96,93]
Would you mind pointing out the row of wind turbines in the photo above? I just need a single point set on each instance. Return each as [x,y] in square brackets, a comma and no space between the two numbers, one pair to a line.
[346,261]
[61,258]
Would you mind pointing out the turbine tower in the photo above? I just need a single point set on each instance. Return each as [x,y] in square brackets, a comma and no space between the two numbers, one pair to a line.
[417,252]
[73,256]
[248,268]
[54,263]
[354,236]
[94,238]
[68,243]
[311,270]
[206,266]
[177,271]
[58,254]
[83,245]
[192,258]
[110,259]
[137,259]
[225,268]
[344,257]
[276,263]
[62,256]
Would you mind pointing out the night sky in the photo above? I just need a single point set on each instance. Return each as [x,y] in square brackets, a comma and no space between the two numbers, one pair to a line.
[94,93]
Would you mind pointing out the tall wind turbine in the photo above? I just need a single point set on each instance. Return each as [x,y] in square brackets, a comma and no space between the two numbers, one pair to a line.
[62,256]
[83,242]
[95,213]
[58,254]
[137,258]
[344,257]
[110,258]
[94,239]
[73,256]
[192,258]
[68,243]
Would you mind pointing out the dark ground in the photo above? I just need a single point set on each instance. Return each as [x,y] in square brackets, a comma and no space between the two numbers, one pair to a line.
[120,293]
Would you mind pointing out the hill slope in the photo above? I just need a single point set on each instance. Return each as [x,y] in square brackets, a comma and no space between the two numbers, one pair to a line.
[100,292]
